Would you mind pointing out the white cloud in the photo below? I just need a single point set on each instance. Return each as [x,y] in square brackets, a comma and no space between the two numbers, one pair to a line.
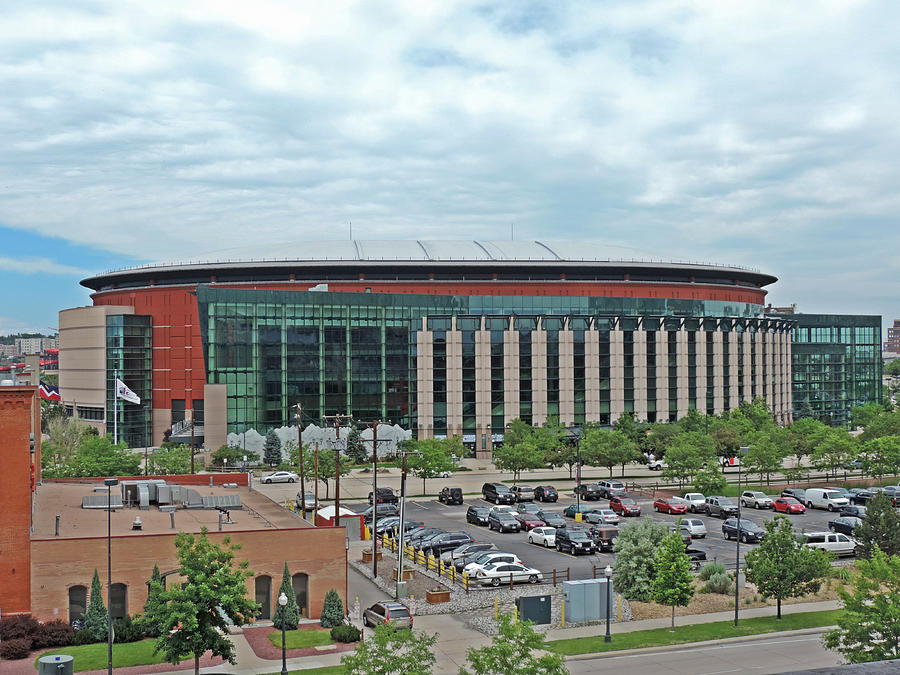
[39,266]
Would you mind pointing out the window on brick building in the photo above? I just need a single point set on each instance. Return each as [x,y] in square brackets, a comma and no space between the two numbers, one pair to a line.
[263,586]
[118,601]
[77,603]
[300,584]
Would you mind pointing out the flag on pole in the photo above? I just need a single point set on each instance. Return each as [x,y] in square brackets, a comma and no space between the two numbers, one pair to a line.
[122,391]
[49,392]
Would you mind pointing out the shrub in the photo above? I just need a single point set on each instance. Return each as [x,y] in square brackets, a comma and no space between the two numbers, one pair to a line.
[711,569]
[84,637]
[332,610]
[55,633]
[17,648]
[18,626]
[126,630]
[718,583]
[345,633]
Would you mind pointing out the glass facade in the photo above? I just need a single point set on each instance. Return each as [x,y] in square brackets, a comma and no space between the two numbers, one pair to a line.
[836,364]
[129,352]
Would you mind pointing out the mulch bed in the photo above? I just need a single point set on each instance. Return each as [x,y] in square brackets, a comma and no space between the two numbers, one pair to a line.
[20,666]
[259,643]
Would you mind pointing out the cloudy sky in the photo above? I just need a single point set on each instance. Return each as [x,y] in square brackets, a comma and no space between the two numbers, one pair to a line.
[759,133]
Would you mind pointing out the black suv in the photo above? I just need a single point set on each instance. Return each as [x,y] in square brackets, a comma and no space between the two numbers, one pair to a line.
[384,511]
[589,491]
[477,515]
[446,542]
[497,493]
[545,493]
[385,496]
[450,495]
[719,506]
[575,540]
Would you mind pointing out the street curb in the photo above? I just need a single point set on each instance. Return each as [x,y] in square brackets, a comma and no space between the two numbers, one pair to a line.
[692,645]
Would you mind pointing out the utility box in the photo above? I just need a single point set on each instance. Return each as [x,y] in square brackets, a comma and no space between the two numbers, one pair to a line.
[58,664]
[535,608]
[586,600]
[401,589]
[573,596]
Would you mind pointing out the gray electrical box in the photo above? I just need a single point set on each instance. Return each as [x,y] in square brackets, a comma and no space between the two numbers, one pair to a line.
[535,608]
[586,600]
[401,589]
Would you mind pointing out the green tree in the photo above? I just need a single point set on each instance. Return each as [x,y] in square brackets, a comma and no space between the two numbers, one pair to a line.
[64,436]
[880,528]
[892,367]
[192,615]
[96,620]
[234,454]
[782,567]
[886,424]
[392,651]
[602,447]
[863,415]
[272,449]
[694,421]
[523,455]
[659,439]
[673,583]
[356,449]
[327,464]
[766,453]
[881,456]
[433,456]
[834,451]
[758,413]
[727,439]
[288,616]
[332,610]
[868,629]
[804,435]
[709,478]
[96,456]
[686,455]
[515,649]
[635,566]
[153,604]
[170,461]
[629,427]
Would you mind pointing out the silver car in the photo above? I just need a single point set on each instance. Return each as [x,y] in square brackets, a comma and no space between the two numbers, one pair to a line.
[756,499]
[695,526]
[310,501]
[281,477]
[605,516]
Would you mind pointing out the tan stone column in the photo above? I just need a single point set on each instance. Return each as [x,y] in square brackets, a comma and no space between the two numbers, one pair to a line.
[425,381]
[777,365]
[758,365]
[510,376]
[591,376]
[702,384]
[682,403]
[454,382]
[538,377]
[616,374]
[662,376]
[718,373]
[734,393]
[640,374]
[747,394]
[566,377]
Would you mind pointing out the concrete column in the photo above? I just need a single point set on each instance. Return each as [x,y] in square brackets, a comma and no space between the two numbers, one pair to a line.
[510,376]
[718,373]
[734,393]
[758,364]
[640,374]
[616,374]
[566,377]
[215,415]
[662,376]
[702,384]
[747,394]
[681,367]
[787,396]
[454,383]
[425,382]
[591,376]
[538,377]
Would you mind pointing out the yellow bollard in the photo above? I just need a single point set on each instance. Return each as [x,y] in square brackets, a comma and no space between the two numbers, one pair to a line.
[578,517]
[496,608]
[563,613]
[515,615]
[620,607]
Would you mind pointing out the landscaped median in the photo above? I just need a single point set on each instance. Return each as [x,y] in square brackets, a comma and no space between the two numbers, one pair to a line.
[698,632]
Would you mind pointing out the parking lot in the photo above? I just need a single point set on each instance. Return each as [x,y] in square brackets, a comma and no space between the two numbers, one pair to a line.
[453,518]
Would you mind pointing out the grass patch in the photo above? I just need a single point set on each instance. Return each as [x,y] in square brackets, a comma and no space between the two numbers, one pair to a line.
[718,630]
[93,657]
[301,639]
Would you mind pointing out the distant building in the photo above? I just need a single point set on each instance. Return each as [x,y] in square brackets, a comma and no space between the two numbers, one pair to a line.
[9,351]
[37,345]
[892,340]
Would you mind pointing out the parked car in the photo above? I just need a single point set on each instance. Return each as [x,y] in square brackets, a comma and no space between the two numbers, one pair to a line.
[464,550]
[450,495]
[844,491]
[617,492]
[750,532]
[415,538]
[607,485]
[756,499]
[394,527]
[572,509]
[523,493]
[461,563]
[489,557]
[683,531]
[310,501]
[604,536]
[551,518]
[503,573]
[528,520]
[528,507]
[545,536]
[445,474]
[497,493]
[845,524]
[854,511]
[834,542]
[385,496]
[545,493]
[388,611]
[672,505]
[892,491]
[823,498]
[624,506]
[695,501]
[424,543]
[797,493]
[503,522]
[788,505]
[447,542]
[589,491]
[697,557]
[477,515]
[280,477]
[606,516]
[695,526]
[505,508]
[656,465]
[720,506]
[384,510]
[575,540]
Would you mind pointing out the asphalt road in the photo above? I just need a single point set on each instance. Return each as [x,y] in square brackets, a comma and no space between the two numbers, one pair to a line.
[779,654]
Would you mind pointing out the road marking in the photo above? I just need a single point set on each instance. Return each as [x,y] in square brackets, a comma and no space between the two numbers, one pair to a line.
[435,501]
[421,506]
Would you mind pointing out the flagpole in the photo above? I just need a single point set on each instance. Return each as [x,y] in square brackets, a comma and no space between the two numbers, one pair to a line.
[116,407]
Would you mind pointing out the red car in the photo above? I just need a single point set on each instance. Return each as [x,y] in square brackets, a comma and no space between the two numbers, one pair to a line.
[624,506]
[670,505]
[529,520]
[788,505]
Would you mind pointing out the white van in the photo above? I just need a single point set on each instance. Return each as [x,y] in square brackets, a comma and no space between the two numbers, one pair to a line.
[825,498]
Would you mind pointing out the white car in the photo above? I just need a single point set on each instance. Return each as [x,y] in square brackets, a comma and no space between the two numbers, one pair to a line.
[445,474]
[281,477]
[656,465]
[466,550]
[489,558]
[500,573]
[696,501]
[695,526]
[545,536]
[605,516]
[504,507]
[834,542]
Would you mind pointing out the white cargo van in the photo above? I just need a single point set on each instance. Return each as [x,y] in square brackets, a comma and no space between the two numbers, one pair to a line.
[825,498]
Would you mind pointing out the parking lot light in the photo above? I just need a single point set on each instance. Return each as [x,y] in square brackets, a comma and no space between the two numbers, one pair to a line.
[608,574]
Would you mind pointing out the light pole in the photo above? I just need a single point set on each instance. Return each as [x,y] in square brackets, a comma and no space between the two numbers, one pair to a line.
[110,483]
[282,601]
[608,574]
[737,565]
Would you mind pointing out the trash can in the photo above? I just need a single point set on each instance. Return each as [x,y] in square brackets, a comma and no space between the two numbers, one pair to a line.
[58,664]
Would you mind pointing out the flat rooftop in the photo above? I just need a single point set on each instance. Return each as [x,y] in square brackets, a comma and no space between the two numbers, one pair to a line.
[64,500]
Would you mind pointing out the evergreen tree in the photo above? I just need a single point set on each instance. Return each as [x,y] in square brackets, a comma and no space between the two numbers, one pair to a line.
[151,607]
[96,619]
[272,449]
[356,449]
[289,615]
[880,528]
[673,584]
[332,610]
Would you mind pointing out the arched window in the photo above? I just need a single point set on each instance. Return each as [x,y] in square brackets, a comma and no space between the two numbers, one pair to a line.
[77,603]
[300,584]
[118,601]
[263,587]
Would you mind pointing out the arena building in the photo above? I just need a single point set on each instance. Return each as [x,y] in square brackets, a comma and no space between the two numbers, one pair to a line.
[440,337]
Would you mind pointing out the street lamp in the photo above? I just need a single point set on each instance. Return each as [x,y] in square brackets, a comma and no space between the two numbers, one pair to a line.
[109,483]
[608,574]
[282,601]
